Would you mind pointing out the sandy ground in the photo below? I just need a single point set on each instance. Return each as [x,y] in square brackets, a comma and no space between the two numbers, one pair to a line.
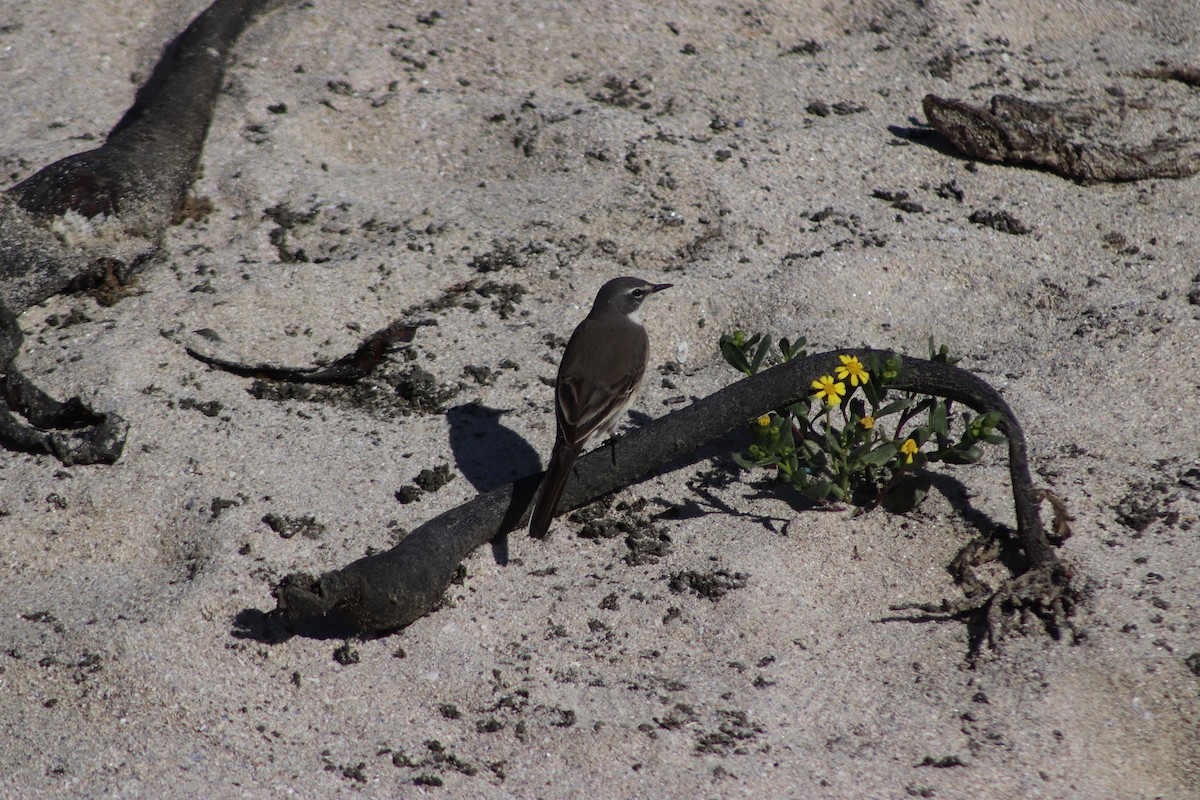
[368,157]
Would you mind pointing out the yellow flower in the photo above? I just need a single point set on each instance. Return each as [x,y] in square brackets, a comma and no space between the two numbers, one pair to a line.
[763,421]
[867,422]
[829,390]
[909,449]
[852,369]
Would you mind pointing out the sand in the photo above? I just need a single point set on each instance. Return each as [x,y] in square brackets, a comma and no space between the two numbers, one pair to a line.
[559,145]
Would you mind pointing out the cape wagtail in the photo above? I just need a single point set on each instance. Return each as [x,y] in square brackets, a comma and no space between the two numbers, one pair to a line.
[598,379]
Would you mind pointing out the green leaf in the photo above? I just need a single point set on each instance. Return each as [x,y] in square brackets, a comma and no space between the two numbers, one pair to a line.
[881,456]
[873,395]
[983,428]
[856,455]
[786,439]
[790,465]
[734,355]
[800,409]
[742,461]
[763,349]
[745,462]
[789,350]
[938,421]
[940,354]
[894,406]
[820,491]
[959,455]
[907,494]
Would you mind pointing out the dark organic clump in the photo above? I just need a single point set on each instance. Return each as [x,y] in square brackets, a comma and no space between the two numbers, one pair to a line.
[209,408]
[900,201]
[504,296]
[287,219]
[1193,295]
[346,655]
[999,220]
[679,715]
[287,526]
[623,93]
[712,585]
[282,390]
[606,528]
[731,735]
[1145,504]
[504,256]
[428,480]
[483,375]
[358,772]
[647,545]
[647,542]
[433,479]
[421,390]
[408,494]
[809,47]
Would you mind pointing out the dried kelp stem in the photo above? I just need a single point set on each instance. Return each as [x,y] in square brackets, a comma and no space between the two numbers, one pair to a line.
[389,590]
[347,369]
[118,199]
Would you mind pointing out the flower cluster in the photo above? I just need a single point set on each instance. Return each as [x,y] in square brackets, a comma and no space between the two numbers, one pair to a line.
[855,438]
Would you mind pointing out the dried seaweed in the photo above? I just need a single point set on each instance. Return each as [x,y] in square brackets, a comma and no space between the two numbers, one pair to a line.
[347,369]
[1029,134]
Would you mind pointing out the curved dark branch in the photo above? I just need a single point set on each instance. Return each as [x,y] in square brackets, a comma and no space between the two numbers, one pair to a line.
[390,590]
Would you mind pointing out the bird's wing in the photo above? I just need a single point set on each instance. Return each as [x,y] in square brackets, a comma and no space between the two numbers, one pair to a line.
[588,403]
[584,409]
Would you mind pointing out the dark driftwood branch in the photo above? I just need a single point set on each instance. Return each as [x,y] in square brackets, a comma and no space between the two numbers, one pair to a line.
[389,590]
[118,198]
[1024,133]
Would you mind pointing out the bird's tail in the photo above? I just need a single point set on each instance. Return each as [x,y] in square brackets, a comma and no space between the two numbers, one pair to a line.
[562,460]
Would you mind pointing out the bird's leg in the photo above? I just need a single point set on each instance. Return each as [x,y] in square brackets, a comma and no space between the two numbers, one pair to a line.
[611,443]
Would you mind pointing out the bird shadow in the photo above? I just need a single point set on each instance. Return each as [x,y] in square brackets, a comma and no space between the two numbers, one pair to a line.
[486,452]
[489,455]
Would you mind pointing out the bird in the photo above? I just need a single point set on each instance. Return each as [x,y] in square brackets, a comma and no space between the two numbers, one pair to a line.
[598,379]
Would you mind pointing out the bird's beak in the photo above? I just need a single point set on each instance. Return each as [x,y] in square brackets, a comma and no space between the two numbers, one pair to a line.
[658,287]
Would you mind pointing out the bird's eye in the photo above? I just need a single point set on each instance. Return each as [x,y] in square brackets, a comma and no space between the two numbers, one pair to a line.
[639,292]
